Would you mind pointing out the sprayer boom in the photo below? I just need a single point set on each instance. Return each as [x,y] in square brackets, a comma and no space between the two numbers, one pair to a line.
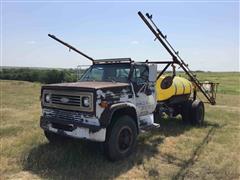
[176,59]
[70,47]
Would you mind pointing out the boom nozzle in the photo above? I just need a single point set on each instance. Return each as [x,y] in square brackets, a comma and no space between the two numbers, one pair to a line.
[149,16]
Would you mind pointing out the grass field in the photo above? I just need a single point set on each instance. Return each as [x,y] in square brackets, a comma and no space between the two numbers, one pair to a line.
[175,151]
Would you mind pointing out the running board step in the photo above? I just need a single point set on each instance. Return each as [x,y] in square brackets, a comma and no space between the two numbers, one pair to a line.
[149,127]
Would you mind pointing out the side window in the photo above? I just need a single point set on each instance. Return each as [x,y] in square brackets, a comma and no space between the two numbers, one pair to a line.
[140,74]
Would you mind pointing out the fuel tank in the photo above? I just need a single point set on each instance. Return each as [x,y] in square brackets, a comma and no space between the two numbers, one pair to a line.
[168,87]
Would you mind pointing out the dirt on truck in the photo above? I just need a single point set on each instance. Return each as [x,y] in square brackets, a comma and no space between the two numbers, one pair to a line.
[116,99]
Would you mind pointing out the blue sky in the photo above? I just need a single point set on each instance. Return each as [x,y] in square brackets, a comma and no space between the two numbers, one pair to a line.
[205,34]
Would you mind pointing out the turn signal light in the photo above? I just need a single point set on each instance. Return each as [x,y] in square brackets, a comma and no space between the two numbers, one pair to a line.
[104,104]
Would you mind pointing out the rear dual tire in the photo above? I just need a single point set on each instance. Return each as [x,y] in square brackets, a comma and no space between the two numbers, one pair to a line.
[193,112]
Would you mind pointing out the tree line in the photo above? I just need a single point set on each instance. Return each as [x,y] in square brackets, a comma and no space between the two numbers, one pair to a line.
[45,76]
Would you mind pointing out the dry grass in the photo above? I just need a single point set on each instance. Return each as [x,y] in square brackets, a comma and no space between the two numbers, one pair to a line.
[176,151]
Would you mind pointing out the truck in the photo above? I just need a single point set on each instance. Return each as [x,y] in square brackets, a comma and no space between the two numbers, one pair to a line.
[116,99]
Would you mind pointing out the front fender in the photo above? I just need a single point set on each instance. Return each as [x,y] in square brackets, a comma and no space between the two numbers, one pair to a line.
[107,114]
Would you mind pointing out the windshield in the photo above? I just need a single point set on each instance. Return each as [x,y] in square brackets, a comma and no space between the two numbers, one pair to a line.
[107,72]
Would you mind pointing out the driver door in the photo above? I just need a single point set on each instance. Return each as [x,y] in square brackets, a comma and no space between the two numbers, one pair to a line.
[145,95]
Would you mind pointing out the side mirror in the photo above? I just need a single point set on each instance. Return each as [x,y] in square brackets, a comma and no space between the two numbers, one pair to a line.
[167,82]
[152,72]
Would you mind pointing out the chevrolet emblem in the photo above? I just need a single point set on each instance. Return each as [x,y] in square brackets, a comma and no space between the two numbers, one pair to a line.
[64,100]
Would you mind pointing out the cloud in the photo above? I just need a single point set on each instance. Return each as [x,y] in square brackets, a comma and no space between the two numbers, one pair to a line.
[134,42]
[31,42]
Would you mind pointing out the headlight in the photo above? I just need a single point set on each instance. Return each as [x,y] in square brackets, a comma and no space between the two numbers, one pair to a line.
[85,102]
[47,98]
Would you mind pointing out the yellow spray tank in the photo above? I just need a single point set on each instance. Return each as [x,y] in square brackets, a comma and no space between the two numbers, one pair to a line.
[166,90]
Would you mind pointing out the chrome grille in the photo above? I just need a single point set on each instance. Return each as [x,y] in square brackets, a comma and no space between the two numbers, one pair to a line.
[72,100]
[68,100]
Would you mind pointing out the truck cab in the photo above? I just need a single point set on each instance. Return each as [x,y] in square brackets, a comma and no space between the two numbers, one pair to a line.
[113,99]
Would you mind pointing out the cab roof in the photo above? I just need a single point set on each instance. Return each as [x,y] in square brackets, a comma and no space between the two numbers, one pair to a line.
[113,60]
[117,61]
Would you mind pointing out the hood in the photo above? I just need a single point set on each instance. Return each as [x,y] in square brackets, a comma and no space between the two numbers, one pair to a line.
[87,84]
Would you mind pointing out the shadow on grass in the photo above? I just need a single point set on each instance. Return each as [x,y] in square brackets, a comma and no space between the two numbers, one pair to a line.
[80,160]
[186,165]
[85,160]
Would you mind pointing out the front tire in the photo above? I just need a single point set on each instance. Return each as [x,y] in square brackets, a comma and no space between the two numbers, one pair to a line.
[121,138]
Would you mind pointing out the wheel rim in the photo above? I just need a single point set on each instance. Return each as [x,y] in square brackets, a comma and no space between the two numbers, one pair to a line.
[125,138]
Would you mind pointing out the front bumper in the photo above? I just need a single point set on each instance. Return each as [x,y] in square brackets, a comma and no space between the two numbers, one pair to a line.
[75,129]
